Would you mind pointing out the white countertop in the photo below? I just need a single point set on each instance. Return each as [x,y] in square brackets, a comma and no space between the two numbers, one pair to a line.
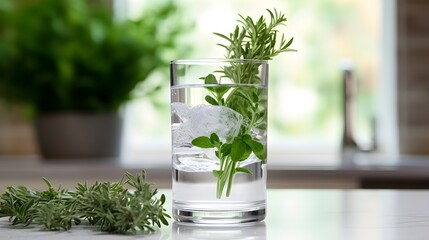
[293,214]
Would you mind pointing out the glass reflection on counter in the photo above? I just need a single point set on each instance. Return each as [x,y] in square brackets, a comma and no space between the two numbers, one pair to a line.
[249,231]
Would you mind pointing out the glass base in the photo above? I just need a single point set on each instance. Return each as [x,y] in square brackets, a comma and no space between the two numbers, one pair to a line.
[220,216]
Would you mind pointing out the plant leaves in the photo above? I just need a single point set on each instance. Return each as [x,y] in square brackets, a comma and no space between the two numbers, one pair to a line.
[221,90]
[243,170]
[214,139]
[261,155]
[202,142]
[238,149]
[163,220]
[247,138]
[256,146]
[226,149]
[106,205]
[247,153]
[255,97]
[210,79]
[217,173]
[211,100]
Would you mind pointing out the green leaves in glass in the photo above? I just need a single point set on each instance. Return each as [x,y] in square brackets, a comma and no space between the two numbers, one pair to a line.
[230,156]
[217,90]
[202,142]
[243,146]
[254,40]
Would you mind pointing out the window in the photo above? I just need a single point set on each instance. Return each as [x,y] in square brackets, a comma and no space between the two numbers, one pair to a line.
[305,113]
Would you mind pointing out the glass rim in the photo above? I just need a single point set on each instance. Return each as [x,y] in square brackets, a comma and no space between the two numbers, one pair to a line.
[208,61]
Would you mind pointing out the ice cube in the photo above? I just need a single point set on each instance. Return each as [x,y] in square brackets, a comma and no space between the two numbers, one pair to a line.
[203,120]
[207,119]
[181,110]
[182,136]
[193,164]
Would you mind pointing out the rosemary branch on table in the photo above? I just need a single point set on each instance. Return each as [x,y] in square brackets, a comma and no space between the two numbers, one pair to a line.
[109,206]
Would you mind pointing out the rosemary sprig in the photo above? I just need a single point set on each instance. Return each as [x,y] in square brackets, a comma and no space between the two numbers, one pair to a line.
[256,40]
[109,206]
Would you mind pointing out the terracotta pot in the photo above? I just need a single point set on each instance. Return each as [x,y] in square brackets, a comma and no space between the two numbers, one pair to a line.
[79,135]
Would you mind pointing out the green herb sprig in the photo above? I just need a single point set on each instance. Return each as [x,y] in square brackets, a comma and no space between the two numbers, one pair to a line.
[110,206]
[230,156]
[255,40]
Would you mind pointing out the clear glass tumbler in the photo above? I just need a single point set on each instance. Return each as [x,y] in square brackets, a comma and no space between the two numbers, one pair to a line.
[219,140]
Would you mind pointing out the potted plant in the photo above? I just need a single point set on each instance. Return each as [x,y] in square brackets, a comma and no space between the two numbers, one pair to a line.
[74,66]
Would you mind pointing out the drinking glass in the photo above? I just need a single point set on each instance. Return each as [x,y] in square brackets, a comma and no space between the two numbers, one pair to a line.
[219,140]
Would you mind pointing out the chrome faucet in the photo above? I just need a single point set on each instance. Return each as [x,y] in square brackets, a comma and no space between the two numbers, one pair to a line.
[349,145]
[349,101]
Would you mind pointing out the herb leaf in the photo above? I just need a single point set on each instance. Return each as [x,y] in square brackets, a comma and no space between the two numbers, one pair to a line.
[214,139]
[210,79]
[243,170]
[211,100]
[238,149]
[202,142]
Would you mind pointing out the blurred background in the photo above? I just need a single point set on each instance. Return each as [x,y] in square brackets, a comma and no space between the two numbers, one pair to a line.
[51,53]
[305,105]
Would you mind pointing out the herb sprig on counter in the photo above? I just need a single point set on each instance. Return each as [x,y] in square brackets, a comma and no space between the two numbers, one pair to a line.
[109,206]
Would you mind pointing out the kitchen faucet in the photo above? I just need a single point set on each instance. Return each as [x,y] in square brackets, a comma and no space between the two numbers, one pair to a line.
[349,145]
[349,102]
